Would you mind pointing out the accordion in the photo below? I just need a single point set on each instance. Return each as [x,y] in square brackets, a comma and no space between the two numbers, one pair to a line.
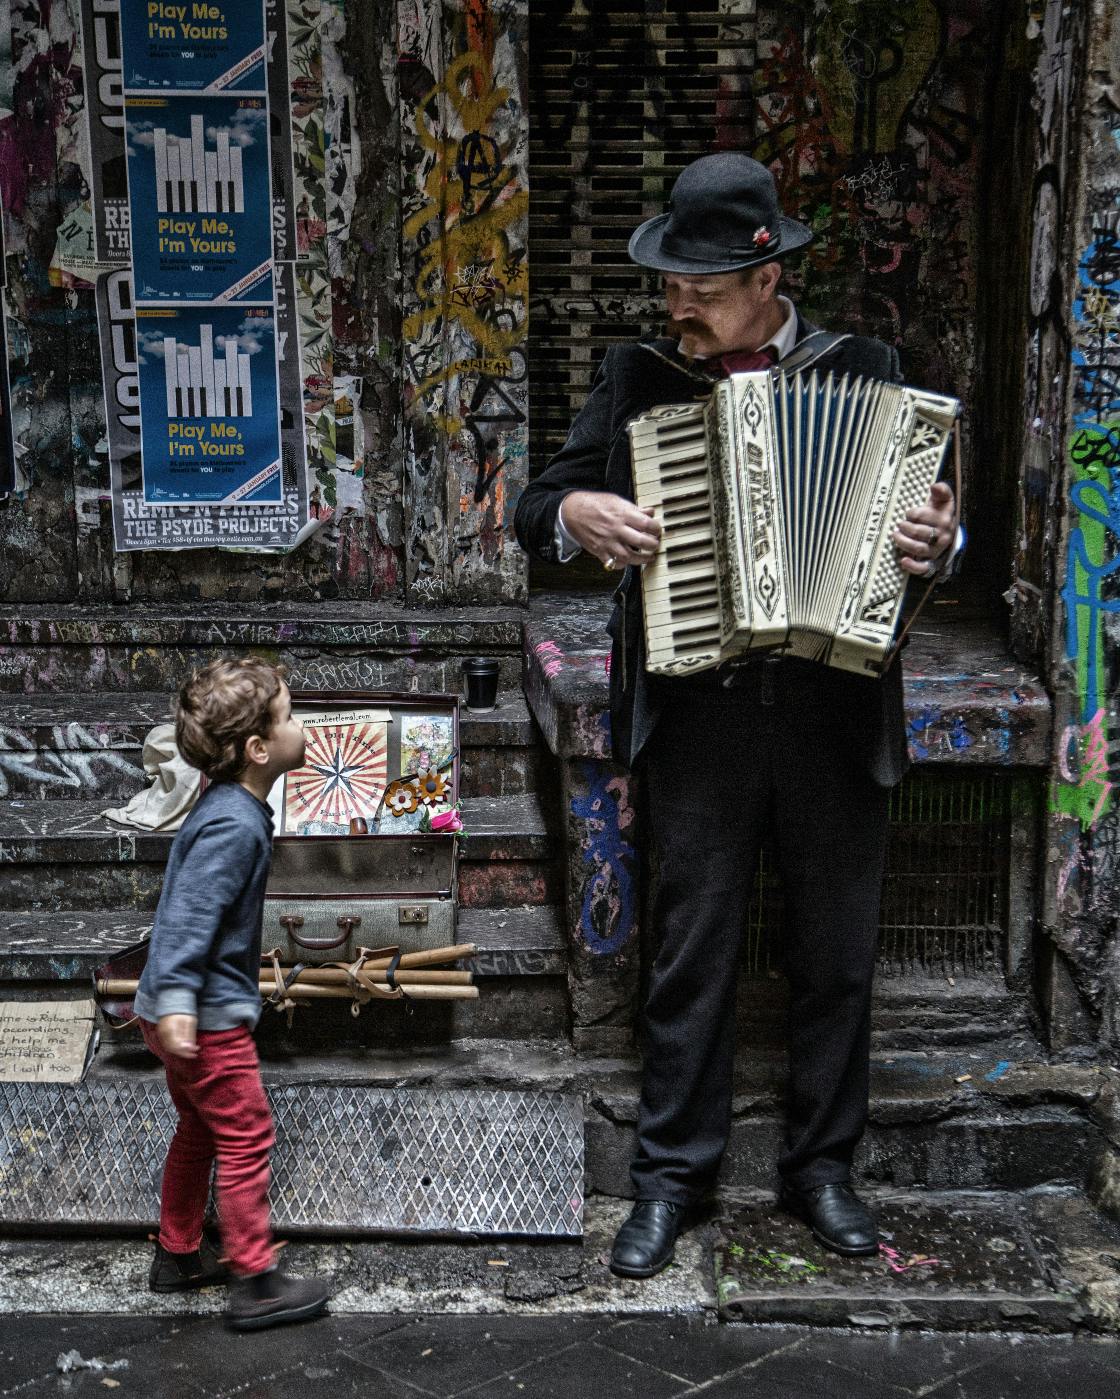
[776,498]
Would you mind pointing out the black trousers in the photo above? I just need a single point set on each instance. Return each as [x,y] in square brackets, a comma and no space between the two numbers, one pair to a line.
[726,767]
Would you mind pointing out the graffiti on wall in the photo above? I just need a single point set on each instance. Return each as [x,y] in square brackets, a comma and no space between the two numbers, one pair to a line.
[1088,760]
[62,178]
[601,821]
[868,112]
[1084,830]
[870,117]
[465,212]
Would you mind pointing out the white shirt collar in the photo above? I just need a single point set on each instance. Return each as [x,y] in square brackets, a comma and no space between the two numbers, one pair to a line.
[784,338]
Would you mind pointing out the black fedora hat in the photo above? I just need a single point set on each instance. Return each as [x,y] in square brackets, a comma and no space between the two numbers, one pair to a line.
[723,215]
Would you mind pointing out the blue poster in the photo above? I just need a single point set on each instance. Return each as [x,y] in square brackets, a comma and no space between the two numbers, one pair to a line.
[210,46]
[200,199]
[209,405]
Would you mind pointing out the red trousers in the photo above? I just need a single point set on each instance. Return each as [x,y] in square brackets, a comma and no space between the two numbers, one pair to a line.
[223,1113]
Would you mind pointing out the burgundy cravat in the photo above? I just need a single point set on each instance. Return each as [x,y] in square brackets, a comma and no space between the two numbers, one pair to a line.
[742,361]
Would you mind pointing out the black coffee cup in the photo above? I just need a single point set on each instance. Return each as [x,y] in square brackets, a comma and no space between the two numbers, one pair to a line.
[482,683]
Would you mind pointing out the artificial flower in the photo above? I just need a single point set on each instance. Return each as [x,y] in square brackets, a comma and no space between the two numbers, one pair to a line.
[431,786]
[401,798]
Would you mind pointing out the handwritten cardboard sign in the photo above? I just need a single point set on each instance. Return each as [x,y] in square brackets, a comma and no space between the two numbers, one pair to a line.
[45,1041]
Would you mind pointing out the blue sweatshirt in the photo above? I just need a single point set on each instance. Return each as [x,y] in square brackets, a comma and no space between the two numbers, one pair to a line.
[205,951]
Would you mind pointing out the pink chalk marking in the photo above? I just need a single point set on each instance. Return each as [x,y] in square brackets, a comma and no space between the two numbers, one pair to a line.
[1096,752]
[896,1265]
[1065,876]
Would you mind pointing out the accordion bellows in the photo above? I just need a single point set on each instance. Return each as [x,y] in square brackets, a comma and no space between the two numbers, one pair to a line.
[777,497]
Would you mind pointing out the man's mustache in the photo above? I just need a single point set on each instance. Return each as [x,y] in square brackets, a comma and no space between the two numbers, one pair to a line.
[687,326]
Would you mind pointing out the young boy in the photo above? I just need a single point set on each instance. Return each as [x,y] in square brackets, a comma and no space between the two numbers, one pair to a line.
[198,998]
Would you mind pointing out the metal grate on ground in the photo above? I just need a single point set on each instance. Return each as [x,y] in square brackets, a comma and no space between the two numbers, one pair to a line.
[347,1160]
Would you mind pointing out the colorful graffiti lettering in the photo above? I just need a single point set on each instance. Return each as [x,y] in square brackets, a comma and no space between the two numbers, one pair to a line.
[1095,457]
[1085,787]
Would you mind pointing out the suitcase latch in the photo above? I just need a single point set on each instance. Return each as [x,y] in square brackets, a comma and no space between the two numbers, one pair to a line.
[411,914]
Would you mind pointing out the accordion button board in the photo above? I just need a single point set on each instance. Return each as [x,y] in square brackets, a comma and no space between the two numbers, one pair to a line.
[777,498]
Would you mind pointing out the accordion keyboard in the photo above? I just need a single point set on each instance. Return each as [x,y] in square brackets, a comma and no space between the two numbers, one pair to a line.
[680,584]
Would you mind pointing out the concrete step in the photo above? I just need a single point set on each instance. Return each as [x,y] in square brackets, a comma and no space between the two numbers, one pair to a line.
[65,948]
[1005,1119]
[982,1177]
[49,849]
[1042,1261]
[332,646]
[90,745]
[490,1277]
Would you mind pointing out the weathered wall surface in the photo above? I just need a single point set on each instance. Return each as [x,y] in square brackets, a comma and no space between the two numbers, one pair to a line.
[409,121]
[465,208]
[877,120]
[1083,889]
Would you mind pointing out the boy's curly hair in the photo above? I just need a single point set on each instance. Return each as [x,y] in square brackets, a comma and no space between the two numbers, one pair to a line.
[220,707]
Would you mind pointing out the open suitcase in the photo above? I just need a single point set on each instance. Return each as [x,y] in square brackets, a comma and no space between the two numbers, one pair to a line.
[352,865]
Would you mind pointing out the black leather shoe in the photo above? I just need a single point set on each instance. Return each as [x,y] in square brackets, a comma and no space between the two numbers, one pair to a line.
[644,1244]
[837,1216]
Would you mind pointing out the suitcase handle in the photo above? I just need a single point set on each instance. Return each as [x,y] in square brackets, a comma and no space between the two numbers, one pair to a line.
[291,922]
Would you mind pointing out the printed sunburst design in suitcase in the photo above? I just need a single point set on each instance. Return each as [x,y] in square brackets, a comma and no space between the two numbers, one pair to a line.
[353,863]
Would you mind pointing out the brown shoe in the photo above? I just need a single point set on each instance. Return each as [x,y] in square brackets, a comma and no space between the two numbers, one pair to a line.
[182,1272]
[273,1299]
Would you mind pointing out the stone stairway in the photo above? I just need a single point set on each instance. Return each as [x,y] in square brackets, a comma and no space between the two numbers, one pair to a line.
[81,690]
[965,1098]
[74,888]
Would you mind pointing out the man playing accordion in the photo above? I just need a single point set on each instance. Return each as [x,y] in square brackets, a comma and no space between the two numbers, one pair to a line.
[806,753]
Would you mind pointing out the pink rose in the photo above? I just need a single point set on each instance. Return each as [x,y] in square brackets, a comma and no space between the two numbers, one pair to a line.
[447,821]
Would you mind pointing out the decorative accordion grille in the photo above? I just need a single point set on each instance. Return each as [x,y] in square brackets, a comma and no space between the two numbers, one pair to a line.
[945,896]
[622,97]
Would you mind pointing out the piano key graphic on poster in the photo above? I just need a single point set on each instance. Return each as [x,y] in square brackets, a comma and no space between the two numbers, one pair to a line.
[103,70]
[138,525]
[195,45]
[209,409]
[199,194]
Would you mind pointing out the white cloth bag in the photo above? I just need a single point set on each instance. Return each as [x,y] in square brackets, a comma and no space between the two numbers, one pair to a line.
[174,786]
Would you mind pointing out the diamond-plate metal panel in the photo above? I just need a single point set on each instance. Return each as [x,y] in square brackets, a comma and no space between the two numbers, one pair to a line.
[346,1159]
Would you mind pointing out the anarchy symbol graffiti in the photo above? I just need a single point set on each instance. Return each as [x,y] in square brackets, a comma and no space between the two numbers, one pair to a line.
[479,162]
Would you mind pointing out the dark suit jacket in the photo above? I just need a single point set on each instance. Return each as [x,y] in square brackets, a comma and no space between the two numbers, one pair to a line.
[635,377]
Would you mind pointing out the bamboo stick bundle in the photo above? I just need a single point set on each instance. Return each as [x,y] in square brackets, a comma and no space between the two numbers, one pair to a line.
[421,975]
[431,956]
[340,976]
[298,991]
[317,976]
